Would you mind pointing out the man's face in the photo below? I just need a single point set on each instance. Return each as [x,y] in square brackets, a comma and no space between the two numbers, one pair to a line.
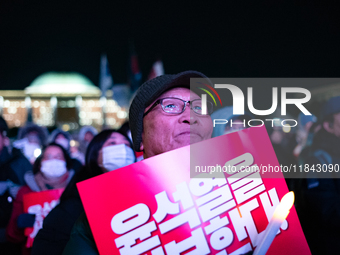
[164,132]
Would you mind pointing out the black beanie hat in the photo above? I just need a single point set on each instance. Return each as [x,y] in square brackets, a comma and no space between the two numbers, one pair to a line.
[148,92]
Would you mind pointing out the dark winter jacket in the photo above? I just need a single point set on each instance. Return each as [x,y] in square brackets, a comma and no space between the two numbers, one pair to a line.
[320,216]
[81,240]
[13,232]
[58,224]
[12,170]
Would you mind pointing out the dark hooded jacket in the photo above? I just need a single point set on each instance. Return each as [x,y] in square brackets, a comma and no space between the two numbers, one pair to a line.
[41,131]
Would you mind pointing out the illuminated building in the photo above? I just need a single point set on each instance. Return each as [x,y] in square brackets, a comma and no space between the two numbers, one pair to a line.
[66,100]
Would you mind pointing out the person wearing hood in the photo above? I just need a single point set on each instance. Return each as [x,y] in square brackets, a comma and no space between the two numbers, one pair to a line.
[109,150]
[13,165]
[85,136]
[31,139]
[63,139]
[51,170]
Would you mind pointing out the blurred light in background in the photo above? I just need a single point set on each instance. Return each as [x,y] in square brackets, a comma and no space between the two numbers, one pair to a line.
[37,153]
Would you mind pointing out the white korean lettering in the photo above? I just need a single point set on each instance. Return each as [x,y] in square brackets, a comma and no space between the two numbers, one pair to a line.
[197,240]
[269,208]
[215,203]
[189,216]
[129,219]
[243,220]
[215,224]
[164,207]
[128,241]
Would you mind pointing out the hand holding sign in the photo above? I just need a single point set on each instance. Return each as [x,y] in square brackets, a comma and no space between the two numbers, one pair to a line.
[26,220]
[38,204]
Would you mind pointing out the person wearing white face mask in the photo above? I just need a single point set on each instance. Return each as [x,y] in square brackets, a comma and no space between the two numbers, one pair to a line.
[108,151]
[63,139]
[52,170]
[116,152]
[31,139]
[117,156]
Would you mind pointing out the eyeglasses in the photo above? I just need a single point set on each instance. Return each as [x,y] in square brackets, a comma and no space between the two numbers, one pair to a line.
[174,105]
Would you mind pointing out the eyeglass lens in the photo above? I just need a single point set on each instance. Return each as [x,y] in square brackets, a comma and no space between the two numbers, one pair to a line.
[175,105]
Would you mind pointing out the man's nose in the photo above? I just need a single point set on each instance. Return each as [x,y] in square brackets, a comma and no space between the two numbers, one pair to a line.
[188,116]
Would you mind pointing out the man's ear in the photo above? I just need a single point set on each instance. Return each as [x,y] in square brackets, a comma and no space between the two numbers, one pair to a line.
[141,148]
[328,126]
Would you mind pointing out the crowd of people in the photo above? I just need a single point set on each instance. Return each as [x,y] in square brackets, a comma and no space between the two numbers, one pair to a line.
[38,161]
[161,119]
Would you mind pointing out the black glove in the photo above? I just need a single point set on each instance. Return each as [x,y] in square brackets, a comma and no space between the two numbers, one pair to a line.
[25,220]
[249,253]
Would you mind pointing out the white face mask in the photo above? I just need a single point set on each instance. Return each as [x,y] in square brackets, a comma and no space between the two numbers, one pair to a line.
[52,168]
[29,148]
[63,142]
[117,156]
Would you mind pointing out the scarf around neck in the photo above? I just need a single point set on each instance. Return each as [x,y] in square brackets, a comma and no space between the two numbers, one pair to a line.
[45,183]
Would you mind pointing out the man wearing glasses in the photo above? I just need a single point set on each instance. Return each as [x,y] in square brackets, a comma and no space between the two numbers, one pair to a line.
[165,115]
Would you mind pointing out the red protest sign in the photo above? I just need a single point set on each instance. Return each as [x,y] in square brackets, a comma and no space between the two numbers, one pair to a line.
[40,204]
[154,207]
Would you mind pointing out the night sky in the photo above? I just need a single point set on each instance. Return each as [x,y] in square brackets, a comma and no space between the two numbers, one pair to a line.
[236,39]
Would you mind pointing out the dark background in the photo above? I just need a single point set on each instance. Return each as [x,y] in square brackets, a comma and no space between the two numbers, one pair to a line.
[229,39]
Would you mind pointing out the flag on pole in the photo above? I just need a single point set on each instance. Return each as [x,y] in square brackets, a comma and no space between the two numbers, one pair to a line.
[105,79]
[135,75]
[156,70]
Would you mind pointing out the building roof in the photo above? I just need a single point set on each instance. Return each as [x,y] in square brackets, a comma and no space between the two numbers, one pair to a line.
[62,85]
